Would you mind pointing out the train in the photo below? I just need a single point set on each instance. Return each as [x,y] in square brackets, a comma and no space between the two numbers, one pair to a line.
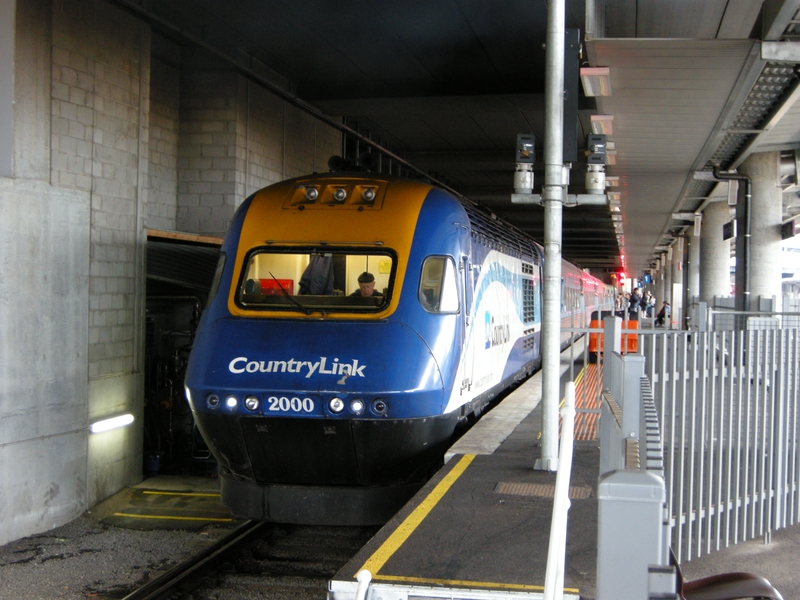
[354,322]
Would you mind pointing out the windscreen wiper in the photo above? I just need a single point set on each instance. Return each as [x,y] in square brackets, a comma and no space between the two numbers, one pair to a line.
[289,296]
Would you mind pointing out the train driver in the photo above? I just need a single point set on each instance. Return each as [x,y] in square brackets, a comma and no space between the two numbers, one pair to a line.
[366,285]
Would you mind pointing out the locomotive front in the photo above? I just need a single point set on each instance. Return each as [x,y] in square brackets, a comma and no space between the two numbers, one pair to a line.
[316,386]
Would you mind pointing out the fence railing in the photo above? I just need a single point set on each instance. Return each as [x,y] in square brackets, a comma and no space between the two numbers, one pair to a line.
[728,408]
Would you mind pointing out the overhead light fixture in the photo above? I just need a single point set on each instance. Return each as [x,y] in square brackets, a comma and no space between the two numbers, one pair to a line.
[596,81]
[602,124]
[612,181]
[112,423]
[613,196]
[611,157]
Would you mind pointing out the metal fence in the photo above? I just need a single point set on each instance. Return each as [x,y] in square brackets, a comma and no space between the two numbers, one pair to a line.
[728,407]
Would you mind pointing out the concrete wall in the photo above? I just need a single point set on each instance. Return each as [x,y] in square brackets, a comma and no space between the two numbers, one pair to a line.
[114,130]
[44,330]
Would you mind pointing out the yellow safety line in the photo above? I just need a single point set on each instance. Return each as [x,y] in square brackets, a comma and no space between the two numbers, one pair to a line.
[168,518]
[200,494]
[578,377]
[406,528]
[483,584]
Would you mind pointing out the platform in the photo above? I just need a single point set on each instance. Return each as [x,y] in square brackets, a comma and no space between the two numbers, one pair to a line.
[480,528]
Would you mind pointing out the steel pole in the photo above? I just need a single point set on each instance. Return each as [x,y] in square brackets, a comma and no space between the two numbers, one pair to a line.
[552,197]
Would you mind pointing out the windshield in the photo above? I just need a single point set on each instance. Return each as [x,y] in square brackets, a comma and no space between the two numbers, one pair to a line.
[317,281]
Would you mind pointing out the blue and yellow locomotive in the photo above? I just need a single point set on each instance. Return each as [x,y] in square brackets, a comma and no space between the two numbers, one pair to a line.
[354,321]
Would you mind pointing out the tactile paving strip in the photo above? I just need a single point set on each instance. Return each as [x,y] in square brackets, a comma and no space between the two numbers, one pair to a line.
[540,490]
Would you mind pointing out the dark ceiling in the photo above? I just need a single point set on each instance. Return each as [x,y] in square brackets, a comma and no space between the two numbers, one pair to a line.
[448,85]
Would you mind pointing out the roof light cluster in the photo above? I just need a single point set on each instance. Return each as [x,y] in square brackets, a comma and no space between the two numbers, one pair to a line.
[361,194]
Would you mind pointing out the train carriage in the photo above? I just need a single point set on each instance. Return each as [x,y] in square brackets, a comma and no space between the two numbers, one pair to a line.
[328,401]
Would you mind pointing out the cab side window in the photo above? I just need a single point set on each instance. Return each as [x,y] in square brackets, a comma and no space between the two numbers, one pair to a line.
[438,291]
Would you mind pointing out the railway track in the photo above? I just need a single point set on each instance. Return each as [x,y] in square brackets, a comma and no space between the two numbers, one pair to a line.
[268,561]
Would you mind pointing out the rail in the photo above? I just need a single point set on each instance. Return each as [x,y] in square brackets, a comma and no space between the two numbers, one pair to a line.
[167,584]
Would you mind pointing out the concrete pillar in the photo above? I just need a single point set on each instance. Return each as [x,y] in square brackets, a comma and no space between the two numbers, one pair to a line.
[693,264]
[715,253]
[765,232]
[667,258]
[32,75]
[677,282]
[659,277]
[7,27]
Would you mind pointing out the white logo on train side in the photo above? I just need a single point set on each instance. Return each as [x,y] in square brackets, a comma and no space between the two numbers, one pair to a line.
[242,364]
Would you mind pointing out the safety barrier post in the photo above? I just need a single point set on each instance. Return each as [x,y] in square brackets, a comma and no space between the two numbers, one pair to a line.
[629,533]
[631,491]
[364,578]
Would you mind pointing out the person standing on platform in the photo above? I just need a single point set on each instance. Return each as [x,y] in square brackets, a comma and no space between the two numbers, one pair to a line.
[636,302]
[663,314]
[650,304]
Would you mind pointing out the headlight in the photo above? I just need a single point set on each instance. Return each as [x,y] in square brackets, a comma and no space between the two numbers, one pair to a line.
[340,194]
[336,405]
[379,406]
[251,403]
[356,406]
[212,400]
[231,402]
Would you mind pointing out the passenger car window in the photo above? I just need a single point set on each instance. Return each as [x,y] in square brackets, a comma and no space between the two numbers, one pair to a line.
[438,291]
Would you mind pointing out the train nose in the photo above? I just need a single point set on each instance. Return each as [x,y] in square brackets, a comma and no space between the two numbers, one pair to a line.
[336,404]
[342,370]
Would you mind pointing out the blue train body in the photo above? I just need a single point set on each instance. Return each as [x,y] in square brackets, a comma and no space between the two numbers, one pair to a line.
[329,406]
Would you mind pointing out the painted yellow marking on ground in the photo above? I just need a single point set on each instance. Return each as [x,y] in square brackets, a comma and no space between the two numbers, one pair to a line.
[577,382]
[580,375]
[375,562]
[169,518]
[198,494]
[481,584]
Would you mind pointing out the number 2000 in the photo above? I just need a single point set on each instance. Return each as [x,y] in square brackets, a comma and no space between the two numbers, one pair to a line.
[284,404]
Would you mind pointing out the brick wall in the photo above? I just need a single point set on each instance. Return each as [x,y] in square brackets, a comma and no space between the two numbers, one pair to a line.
[162,197]
[100,71]
[265,138]
[209,165]
[235,138]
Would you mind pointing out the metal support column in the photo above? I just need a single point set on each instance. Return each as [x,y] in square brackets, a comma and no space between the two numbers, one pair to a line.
[552,197]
